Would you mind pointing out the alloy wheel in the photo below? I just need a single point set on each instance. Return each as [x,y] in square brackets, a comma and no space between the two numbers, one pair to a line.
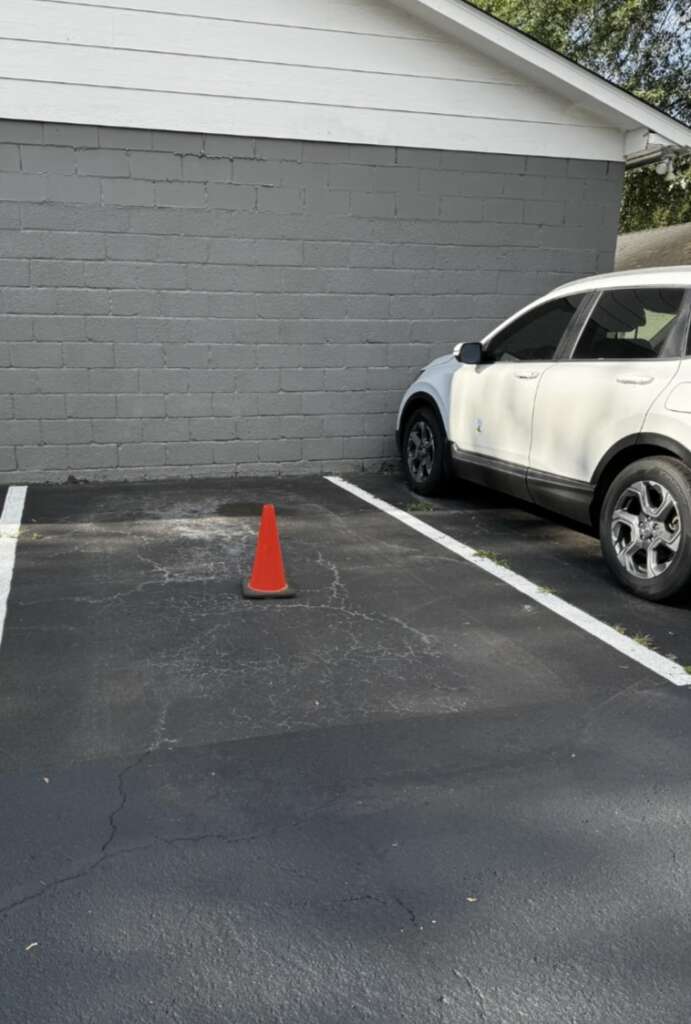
[420,451]
[646,529]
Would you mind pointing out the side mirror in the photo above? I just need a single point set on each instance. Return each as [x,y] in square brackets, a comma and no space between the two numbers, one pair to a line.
[469,352]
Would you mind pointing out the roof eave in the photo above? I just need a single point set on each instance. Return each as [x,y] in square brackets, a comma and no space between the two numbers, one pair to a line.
[642,147]
[487,33]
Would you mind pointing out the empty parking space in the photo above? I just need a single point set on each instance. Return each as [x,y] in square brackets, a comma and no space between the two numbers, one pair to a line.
[127,618]
[409,793]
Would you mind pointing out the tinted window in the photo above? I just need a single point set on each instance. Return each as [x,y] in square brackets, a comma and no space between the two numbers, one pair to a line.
[536,335]
[630,323]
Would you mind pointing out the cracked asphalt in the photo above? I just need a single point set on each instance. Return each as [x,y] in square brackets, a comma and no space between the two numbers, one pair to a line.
[406,795]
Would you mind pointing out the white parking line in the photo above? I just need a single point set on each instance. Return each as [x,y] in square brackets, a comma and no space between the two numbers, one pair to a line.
[651,660]
[10,521]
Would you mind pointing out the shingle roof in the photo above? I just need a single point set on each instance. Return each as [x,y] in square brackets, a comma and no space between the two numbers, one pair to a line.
[658,247]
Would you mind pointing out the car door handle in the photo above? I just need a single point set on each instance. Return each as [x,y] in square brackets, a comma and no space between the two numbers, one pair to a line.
[635,378]
[527,374]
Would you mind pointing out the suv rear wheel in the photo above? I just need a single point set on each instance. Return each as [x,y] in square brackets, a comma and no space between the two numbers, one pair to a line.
[645,527]
[424,451]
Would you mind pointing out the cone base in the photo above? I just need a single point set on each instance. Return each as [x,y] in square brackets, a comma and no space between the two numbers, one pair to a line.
[257,595]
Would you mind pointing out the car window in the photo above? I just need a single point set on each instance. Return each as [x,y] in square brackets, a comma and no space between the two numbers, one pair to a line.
[630,323]
[535,335]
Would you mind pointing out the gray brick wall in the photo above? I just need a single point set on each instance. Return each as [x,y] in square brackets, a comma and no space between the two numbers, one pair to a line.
[178,304]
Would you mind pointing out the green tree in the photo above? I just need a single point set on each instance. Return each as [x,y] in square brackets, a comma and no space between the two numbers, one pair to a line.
[643,46]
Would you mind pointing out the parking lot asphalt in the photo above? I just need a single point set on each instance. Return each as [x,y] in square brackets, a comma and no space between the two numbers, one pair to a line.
[554,552]
[407,794]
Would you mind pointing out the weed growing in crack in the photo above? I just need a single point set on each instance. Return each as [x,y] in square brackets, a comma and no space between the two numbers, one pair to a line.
[645,640]
[492,556]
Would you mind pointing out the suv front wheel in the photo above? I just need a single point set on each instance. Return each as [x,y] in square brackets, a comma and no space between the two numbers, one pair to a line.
[645,527]
[424,451]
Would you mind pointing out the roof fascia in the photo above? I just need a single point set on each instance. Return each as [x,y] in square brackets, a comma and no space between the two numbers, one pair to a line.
[488,34]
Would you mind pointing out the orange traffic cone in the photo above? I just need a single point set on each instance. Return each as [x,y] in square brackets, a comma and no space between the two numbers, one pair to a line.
[268,577]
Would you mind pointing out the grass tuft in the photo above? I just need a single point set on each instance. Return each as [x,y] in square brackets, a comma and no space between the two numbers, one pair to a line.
[492,556]
[645,640]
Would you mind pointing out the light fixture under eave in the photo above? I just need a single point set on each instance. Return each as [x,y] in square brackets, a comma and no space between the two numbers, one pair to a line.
[665,168]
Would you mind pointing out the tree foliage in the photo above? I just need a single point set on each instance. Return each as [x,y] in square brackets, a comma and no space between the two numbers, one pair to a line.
[643,46]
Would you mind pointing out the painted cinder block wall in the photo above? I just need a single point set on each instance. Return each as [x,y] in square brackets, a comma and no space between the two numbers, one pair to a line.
[189,305]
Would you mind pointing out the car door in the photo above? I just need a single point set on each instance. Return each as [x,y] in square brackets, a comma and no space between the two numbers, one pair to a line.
[491,408]
[627,353]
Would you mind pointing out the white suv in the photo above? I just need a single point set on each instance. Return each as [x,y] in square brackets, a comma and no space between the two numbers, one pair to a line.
[581,403]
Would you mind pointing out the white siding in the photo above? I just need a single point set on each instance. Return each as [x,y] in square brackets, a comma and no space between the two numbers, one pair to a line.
[361,72]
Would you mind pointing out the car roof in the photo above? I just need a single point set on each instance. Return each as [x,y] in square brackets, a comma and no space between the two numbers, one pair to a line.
[648,277]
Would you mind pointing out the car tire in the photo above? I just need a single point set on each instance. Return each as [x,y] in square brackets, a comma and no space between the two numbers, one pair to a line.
[645,527]
[424,452]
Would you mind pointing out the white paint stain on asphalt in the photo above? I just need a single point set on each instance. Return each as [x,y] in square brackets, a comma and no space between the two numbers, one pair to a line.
[10,522]
[654,662]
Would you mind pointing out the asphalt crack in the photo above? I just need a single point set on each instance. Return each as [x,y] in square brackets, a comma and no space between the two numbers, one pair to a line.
[104,854]
[248,837]
[122,793]
[63,879]
[477,994]
[108,854]
[409,911]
